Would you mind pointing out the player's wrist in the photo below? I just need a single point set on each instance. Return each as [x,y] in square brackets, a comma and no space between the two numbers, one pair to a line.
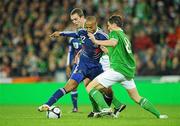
[96,42]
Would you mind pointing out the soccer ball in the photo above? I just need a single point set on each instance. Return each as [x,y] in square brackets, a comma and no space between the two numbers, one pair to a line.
[54,113]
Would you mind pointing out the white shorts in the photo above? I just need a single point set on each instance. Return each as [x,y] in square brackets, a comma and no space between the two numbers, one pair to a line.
[104,60]
[111,77]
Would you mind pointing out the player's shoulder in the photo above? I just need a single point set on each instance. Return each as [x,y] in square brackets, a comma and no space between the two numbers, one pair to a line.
[82,31]
[113,34]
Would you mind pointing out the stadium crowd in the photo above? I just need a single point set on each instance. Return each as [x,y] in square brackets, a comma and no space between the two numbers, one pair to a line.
[153,26]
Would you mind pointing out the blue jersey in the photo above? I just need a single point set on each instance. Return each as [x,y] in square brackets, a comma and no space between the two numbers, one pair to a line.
[74,47]
[88,65]
[89,49]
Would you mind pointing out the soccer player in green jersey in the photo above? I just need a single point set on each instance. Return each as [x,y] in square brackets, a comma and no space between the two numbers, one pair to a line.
[122,69]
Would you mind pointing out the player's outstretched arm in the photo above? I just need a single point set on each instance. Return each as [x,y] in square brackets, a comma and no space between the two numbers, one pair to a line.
[111,42]
[64,33]
[69,34]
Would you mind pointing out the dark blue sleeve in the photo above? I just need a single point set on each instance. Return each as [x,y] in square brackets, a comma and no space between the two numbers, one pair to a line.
[83,32]
[102,36]
[69,34]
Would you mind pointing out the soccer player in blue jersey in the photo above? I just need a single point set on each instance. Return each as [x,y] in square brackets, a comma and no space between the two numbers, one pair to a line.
[88,66]
[73,48]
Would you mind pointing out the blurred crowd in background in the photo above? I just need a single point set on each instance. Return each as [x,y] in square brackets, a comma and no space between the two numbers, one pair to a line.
[153,26]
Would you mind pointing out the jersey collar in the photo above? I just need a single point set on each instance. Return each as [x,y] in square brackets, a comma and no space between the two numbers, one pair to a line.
[96,31]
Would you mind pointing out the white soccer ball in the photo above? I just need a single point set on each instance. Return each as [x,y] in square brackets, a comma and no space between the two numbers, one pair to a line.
[54,113]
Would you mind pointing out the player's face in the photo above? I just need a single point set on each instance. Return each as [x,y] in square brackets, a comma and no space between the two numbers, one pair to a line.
[91,26]
[76,19]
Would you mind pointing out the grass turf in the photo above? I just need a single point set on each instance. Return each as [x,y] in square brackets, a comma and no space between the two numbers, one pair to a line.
[131,116]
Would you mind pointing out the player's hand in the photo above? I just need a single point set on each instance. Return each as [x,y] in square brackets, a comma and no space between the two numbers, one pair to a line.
[68,71]
[54,35]
[91,36]
[104,49]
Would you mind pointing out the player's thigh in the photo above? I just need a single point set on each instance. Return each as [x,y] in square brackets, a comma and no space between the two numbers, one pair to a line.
[128,84]
[109,77]
[86,81]
[131,89]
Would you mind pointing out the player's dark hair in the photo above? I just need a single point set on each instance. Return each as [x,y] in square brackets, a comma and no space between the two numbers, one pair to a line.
[78,11]
[116,19]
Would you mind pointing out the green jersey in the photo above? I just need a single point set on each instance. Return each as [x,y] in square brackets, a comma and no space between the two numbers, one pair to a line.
[121,57]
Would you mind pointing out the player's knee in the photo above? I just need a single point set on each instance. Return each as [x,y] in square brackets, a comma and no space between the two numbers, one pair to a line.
[70,87]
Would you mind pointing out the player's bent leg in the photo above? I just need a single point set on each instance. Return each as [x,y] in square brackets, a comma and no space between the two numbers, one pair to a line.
[94,92]
[144,103]
[71,84]
[96,110]
[86,81]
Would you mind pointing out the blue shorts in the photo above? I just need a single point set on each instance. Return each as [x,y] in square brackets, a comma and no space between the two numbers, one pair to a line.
[86,68]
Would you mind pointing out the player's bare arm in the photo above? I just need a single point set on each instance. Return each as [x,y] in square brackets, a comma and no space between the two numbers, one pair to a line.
[111,42]
[55,34]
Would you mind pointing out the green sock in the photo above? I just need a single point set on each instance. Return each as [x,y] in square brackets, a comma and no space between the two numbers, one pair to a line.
[116,102]
[94,104]
[98,97]
[144,103]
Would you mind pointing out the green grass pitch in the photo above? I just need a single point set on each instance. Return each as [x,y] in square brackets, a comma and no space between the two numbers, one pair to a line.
[133,115]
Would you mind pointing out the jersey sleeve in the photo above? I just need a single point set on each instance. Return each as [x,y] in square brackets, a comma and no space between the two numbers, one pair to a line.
[113,35]
[102,35]
[82,32]
[69,34]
